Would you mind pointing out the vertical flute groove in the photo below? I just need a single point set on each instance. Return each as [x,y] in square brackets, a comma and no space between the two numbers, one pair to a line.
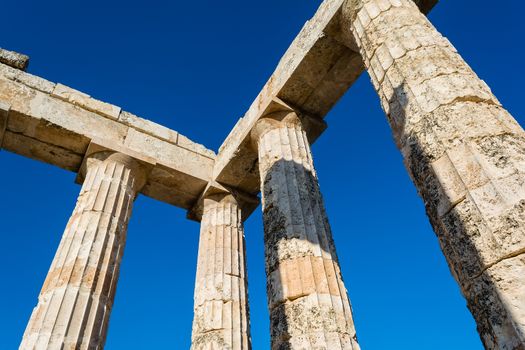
[221,317]
[464,152]
[77,296]
[306,296]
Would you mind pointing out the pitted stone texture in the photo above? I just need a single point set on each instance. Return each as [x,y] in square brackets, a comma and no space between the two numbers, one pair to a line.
[58,131]
[497,328]
[76,299]
[85,101]
[14,59]
[308,302]
[4,114]
[221,317]
[464,152]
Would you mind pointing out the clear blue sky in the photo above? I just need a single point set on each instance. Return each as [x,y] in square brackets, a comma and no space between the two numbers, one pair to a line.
[195,66]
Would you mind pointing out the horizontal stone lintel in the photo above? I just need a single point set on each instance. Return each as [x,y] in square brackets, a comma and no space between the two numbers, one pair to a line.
[316,70]
[55,124]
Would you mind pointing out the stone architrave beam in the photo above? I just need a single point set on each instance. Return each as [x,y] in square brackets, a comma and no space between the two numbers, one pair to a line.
[55,124]
[313,74]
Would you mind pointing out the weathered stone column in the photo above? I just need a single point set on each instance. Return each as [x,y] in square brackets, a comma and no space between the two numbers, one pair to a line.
[308,302]
[464,152]
[221,319]
[76,299]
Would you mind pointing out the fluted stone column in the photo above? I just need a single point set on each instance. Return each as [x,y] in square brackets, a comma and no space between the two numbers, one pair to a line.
[76,299]
[464,152]
[308,302]
[221,317]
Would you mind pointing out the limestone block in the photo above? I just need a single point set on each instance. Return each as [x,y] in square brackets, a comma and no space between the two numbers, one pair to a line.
[4,113]
[85,101]
[306,275]
[27,79]
[148,127]
[185,142]
[41,151]
[221,319]
[500,289]
[59,132]
[14,59]
[178,188]
[214,285]
[311,322]
[34,111]
[169,154]
[73,119]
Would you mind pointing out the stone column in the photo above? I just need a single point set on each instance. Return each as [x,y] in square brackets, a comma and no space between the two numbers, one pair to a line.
[308,302]
[464,152]
[221,318]
[76,299]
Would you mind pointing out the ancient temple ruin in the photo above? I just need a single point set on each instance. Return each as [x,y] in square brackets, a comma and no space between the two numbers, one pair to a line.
[464,152]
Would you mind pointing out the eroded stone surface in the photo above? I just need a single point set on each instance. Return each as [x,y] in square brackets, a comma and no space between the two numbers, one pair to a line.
[55,124]
[498,296]
[76,300]
[309,306]
[4,113]
[221,318]
[464,152]
[14,59]
[315,71]
[84,100]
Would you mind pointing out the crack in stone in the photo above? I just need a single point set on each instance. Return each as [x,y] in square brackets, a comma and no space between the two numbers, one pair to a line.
[488,266]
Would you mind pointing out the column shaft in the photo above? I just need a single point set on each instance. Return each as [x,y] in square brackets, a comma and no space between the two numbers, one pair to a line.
[221,317]
[308,302]
[76,299]
[464,152]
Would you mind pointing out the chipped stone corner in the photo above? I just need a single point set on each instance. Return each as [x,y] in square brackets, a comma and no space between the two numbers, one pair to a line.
[14,59]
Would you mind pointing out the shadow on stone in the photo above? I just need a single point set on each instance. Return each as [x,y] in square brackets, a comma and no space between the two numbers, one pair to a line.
[306,296]
[456,219]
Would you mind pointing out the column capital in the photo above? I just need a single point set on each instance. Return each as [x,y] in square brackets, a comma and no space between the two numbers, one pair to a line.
[215,192]
[224,197]
[100,151]
[273,121]
[139,170]
[350,9]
